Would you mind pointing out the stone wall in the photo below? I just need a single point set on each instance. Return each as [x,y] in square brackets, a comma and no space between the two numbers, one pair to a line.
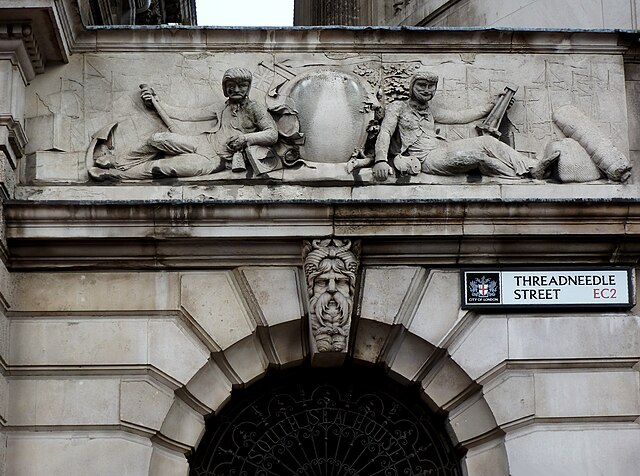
[96,91]
[131,311]
[575,14]
[572,14]
[131,362]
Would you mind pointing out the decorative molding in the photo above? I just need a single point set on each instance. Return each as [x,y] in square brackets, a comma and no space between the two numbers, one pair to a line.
[13,140]
[24,33]
[152,236]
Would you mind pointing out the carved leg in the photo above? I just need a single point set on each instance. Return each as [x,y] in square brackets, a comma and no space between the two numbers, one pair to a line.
[487,154]
[502,160]
[183,165]
[172,143]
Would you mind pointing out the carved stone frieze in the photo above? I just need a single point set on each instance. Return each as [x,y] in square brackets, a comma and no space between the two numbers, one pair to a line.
[336,118]
[330,268]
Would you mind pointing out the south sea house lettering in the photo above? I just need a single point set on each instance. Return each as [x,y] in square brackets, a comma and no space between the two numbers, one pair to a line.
[597,287]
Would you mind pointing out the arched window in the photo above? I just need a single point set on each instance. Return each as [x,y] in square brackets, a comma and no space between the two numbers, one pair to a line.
[331,422]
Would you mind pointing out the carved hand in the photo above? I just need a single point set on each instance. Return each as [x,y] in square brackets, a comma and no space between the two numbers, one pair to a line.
[236,143]
[381,171]
[147,94]
[488,107]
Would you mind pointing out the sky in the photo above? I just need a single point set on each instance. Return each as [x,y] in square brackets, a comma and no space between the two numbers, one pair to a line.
[244,12]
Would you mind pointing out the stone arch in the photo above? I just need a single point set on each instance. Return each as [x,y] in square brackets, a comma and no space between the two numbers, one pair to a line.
[309,420]
[388,333]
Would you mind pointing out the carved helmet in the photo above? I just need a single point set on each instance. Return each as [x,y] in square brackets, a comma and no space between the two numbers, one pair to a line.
[236,74]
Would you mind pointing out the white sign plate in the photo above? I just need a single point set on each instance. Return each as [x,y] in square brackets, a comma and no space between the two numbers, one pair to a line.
[594,287]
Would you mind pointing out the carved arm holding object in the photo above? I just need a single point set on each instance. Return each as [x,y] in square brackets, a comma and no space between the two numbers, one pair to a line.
[170,114]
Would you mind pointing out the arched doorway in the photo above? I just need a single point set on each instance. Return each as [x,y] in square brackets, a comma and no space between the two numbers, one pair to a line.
[329,422]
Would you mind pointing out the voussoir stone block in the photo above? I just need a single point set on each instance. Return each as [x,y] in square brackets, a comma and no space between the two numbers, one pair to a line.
[371,337]
[410,356]
[165,463]
[482,346]
[183,424]
[277,293]
[210,386]
[474,420]
[4,399]
[384,291]
[174,350]
[511,398]
[247,359]
[489,459]
[4,336]
[144,403]
[49,292]
[443,384]
[439,308]
[214,302]
[287,342]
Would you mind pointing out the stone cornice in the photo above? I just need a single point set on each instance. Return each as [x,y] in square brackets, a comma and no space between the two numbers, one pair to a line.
[146,235]
[237,220]
[44,26]
[355,40]
[24,33]
[73,37]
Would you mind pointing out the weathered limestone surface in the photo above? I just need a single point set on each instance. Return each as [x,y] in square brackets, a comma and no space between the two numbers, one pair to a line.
[479,347]
[325,92]
[618,394]
[593,14]
[39,292]
[472,350]
[130,312]
[588,449]
[75,453]
[574,337]
[48,402]
[512,397]
[144,403]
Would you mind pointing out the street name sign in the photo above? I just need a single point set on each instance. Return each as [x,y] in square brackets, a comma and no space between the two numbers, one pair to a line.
[550,287]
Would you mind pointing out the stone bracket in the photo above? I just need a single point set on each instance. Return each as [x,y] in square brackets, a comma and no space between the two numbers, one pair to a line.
[24,33]
[12,139]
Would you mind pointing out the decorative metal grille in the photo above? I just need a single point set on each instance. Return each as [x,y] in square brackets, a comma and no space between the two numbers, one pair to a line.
[323,424]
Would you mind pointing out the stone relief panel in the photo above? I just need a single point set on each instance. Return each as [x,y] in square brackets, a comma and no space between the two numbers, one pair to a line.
[332,118]
[330,268]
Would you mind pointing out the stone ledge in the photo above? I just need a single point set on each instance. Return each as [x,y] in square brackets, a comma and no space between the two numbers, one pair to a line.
[260,191]
[360,39]
[28,219]
[157,236]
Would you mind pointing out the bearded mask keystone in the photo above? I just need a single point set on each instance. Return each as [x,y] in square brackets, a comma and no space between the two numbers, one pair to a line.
[330,268]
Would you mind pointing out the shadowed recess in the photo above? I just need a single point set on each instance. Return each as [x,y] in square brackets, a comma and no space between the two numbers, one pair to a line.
[313,422]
